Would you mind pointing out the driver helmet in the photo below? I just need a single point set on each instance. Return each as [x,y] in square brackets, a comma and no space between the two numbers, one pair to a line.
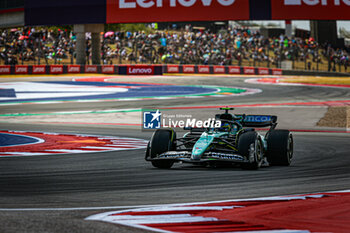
[226,127]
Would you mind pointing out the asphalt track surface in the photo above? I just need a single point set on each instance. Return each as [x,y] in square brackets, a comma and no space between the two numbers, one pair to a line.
[321,163]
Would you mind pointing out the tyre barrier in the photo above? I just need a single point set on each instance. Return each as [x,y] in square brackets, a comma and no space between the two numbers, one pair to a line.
[136,69]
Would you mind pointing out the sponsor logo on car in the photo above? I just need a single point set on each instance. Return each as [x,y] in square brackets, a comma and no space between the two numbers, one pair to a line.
[225,156]
[175,154]
[257,118]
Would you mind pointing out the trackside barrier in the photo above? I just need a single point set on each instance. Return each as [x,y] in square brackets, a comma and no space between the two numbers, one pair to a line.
[74,69]
[263,71]
[140,69]
[21,69]
[203,70]
[5,69]
[188,69]
[39,69]
[249,70]
[219,70]
[276,71]
[234,70]
[108,69]
[56,69]
[171,69]
[137,69]
[91,69]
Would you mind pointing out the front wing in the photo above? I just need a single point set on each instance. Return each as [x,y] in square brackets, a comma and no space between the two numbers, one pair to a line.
[185,156]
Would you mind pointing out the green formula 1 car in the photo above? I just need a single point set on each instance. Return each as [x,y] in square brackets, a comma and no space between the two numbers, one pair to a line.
[235,142]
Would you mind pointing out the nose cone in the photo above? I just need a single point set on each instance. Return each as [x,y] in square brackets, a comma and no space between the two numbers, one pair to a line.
[201,146]
[197,152]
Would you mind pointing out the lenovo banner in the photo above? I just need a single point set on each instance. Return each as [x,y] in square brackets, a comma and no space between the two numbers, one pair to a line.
[234,70]
[173,69]
[263,71]
[310,9]
[277,72]
[73,69]
[133,11]
[56,69]
[203,69]
[5,69]
[188,69]
[90,69]
[249,70]
[39,69]
[219,69]
[108,69]
[21,69]
[140,70]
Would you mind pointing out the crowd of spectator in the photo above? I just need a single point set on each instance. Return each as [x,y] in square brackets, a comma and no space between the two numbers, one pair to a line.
[188,46]
[22,45]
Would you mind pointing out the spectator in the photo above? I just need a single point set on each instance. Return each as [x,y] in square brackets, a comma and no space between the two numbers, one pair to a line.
[231,45]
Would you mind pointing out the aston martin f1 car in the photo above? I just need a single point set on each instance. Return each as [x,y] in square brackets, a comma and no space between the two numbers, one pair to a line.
[236,141]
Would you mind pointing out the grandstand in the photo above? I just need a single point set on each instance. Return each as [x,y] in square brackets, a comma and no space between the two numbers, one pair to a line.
[85,40]
[230,46]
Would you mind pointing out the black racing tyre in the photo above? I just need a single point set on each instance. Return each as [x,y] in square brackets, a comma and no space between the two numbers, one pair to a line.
[245,141]
[279,147]
[148,151]
[162,140]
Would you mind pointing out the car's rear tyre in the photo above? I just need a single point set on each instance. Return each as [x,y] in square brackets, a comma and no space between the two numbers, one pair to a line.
[280,147]
[250,146]
[162,140]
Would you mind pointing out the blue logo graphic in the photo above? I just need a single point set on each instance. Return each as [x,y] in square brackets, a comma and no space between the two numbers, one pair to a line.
[152,120]
[257,118]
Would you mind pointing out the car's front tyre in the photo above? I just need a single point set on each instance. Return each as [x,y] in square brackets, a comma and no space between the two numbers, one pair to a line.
[163,140]
[250,146]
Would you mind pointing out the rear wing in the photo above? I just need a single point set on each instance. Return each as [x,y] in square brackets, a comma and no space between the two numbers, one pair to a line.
[258,120]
